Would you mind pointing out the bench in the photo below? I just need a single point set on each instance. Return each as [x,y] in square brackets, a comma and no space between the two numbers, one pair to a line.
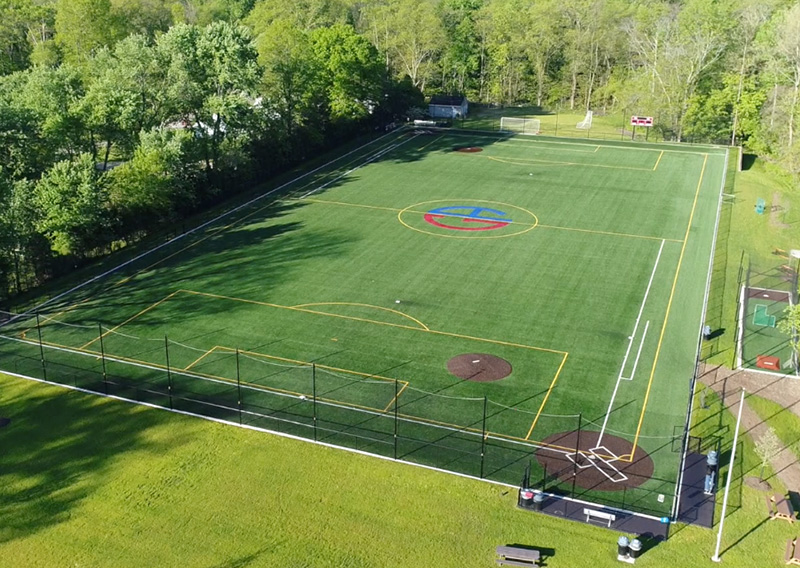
[516,556]
[792,555]
[780,508]
[605,517]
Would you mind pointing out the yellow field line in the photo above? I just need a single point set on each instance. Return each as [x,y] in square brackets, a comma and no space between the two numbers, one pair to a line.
[661,155]
[533,162]
[399,313]
[431,142]
[394,398]
[397,325]
[511,143]
[613,146]
[203,356]
[396,210]
[133,317]
[546,396]
[669,306]
[611,233]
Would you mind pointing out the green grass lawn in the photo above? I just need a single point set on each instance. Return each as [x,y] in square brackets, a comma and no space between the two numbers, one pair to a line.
[784,422]
[87,481]
[587,276]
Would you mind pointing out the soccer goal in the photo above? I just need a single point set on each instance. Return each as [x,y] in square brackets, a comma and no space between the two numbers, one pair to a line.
[519,125]
[586,123]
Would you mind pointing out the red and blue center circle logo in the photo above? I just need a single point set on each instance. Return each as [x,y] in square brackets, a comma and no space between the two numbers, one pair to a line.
[468,218]
[462,218]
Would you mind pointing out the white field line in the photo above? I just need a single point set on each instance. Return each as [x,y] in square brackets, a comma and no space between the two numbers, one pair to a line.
[630,344]
[190,231]
[372,158]
[638,353]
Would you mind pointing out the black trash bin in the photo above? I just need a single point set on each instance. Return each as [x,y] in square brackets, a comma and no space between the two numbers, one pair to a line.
[538,499]
[635,547]
[526,498]
[622,546]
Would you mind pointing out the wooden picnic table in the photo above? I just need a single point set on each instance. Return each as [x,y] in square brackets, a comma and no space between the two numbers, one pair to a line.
[792,555]
[780,508]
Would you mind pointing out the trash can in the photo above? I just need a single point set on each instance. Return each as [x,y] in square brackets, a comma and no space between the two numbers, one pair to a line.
[526,498]
[622,547]
[635,547]
[538,499]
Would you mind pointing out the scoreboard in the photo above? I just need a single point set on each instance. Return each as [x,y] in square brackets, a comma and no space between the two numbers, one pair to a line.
[641,121]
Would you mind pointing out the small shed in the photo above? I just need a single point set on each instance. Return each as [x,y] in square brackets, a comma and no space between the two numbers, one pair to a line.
[448,106]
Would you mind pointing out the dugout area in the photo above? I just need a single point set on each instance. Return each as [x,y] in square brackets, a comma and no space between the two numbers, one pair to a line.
[335,312]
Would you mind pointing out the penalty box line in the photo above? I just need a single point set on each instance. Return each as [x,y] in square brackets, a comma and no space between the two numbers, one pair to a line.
[423,329]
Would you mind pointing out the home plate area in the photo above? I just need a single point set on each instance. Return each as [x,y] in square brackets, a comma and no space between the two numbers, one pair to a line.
[593,461]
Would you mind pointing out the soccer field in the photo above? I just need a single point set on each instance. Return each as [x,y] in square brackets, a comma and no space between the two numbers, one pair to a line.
[471,301]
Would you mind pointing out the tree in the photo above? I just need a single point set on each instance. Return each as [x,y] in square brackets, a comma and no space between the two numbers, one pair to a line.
[351,71]
[412,35]
[767,447]
[155,184]
[84,26]
[72,201]
[212,74]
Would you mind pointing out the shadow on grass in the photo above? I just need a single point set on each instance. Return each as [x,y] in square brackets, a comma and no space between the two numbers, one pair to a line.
[45,473]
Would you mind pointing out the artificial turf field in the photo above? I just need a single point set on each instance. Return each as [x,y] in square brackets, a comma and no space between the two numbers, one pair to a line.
[582,264]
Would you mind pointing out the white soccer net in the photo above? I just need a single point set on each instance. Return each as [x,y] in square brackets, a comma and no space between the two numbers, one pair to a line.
[519,125]
[586,123]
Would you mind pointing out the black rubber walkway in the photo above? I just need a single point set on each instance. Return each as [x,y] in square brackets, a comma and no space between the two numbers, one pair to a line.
[696,507]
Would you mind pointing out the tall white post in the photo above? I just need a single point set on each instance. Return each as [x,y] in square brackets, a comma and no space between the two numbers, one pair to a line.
[716,557]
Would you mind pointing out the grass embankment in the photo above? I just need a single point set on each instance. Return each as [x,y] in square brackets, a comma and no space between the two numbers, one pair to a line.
[88,481]
[748,238]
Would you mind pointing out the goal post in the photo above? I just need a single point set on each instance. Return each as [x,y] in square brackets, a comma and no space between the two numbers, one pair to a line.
[586,123]
[519,125]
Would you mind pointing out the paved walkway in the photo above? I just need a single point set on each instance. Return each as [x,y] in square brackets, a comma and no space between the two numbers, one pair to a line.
[786,392]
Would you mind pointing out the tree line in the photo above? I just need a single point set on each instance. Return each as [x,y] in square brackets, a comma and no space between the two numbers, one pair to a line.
[118,117]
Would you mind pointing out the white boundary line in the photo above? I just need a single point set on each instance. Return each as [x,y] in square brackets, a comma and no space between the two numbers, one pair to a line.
[630,344]
[194,230]
[638,353]
[369,159]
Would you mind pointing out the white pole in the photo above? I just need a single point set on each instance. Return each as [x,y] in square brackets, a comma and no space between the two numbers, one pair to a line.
[716,557]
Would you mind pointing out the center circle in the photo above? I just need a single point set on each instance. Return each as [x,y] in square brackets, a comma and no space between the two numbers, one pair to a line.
[467,218]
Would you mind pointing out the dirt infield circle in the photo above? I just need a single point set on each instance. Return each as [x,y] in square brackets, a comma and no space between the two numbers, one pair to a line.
[468,149]
[489,219]
[479,367]
[596,467]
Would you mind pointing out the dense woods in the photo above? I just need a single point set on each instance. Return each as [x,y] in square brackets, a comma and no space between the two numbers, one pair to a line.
[118,117]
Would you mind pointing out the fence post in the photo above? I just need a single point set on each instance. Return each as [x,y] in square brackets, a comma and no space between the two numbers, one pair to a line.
[314,397]
[169,373]
[577,449]
[41,346]
[483,435]
[238,387]
[103,356]
[396,393]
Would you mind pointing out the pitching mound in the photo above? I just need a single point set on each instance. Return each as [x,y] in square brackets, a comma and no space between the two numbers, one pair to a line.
[479,367]
[468,149]
[596,466]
